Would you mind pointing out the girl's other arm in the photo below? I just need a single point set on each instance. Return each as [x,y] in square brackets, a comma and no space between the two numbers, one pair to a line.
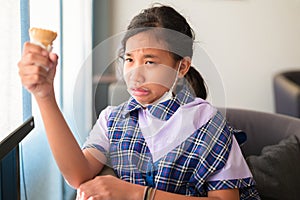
[109,187]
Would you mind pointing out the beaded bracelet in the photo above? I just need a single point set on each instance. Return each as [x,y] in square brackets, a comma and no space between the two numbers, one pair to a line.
[153,194]
[149,193]
[145,196]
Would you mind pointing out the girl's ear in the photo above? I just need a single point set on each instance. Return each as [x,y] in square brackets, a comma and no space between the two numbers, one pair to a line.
[184,66]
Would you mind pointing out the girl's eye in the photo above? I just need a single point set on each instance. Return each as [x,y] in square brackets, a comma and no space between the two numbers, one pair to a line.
[149,62]
[128,59]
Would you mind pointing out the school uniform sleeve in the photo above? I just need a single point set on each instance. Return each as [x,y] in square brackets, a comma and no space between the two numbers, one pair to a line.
[235,174]
[223,165]
[97,138]
[235,167]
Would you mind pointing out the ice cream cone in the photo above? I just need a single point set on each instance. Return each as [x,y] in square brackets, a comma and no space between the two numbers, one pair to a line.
[42,37]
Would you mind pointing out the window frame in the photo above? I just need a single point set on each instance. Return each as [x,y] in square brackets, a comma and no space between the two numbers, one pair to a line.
[12,140]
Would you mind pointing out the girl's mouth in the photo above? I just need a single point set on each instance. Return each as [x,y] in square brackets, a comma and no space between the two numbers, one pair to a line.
[139,91]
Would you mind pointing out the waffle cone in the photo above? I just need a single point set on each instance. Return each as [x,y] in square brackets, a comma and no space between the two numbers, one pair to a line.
[43,36]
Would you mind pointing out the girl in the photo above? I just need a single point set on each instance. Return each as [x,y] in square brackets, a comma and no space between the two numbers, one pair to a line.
[165,142]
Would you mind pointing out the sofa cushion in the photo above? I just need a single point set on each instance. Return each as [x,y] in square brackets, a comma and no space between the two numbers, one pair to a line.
[277,170]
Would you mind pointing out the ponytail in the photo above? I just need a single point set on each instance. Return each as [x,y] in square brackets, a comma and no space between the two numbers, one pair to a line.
[196,82]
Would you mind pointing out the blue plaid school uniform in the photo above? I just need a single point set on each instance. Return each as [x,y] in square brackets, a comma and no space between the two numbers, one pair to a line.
[185,169]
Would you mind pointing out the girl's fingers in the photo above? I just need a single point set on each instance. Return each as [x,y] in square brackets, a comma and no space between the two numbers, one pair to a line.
[54,58]
[33,48]
[33,69]
[35,59]
[32,80]
[37,69]
[36,55]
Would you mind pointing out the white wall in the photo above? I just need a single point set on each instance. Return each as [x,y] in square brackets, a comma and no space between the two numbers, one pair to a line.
[248,40]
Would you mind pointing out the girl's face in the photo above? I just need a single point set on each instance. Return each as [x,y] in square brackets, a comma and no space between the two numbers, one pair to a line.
[149,69]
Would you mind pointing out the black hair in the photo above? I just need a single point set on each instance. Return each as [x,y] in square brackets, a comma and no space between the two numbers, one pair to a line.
[168,18]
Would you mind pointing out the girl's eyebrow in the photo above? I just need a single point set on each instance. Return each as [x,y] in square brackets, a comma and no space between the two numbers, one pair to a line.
[128,54]
[150,56]
[144,56]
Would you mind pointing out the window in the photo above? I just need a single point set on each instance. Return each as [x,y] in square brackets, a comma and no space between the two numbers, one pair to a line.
[11,89]
[14,105]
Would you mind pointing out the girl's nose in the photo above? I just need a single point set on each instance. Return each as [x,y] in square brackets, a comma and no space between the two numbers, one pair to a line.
[137,76]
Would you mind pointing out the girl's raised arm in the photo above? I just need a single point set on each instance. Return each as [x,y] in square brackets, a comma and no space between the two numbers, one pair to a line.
[37,69]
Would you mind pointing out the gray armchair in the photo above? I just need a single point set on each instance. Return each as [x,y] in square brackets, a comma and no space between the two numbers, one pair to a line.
[262,128]
[287,93]
[272,151]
